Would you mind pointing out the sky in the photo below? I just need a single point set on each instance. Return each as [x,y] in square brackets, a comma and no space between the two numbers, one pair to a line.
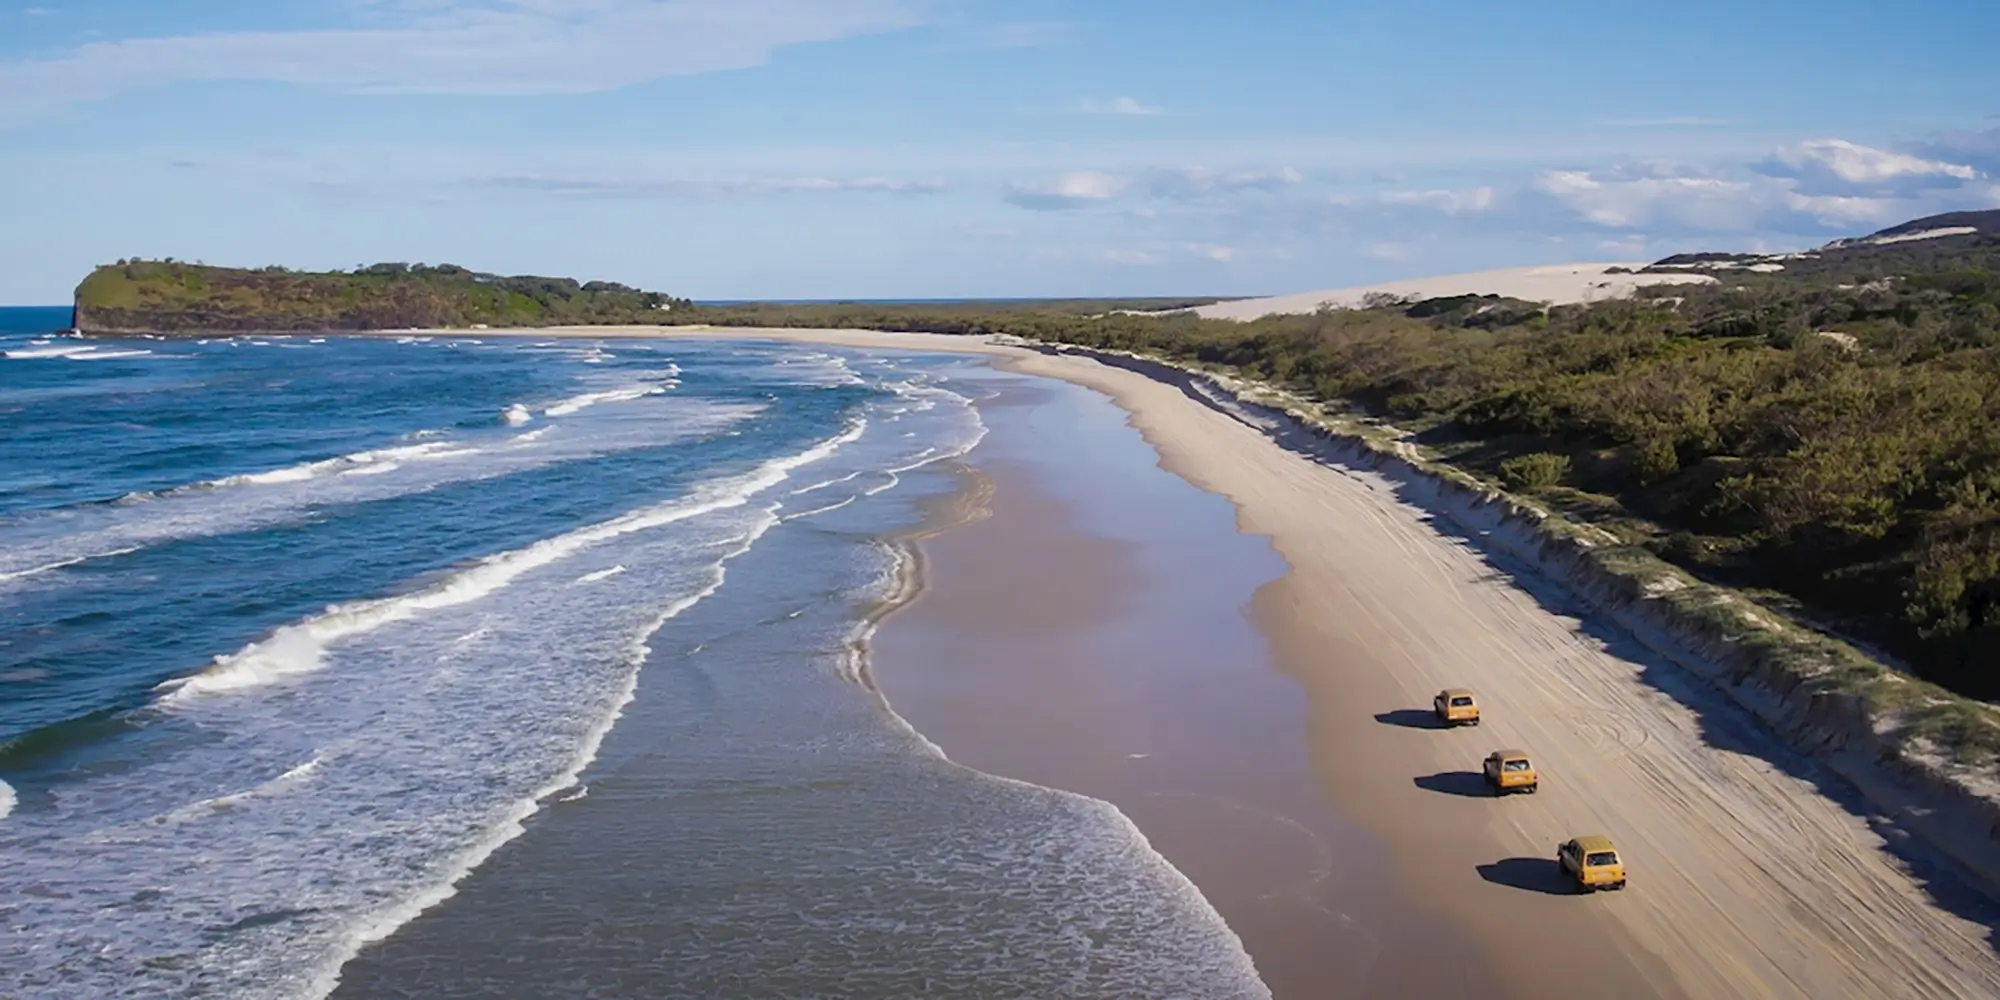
[724,149]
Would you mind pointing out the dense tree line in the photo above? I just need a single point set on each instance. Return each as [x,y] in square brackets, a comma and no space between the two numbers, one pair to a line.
[1828,435]
[169,296]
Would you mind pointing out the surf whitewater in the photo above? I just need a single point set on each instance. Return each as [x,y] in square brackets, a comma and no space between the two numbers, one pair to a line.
[308,628]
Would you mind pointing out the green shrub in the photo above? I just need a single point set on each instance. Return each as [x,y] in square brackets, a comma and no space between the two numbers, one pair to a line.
[1530,473]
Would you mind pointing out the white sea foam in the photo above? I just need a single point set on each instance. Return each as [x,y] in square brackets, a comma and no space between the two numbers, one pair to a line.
[353,462]
[61,351]
[201,808]
[821,510]
[301,648]
[106,355]
[602,574]
[516,415]
[426,747]
[818,369]
[384,922]
[7,799]
[21,574]
[34,544]
[589,399]
[831,482]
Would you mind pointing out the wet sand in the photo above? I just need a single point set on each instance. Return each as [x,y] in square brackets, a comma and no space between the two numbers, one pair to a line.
[1087,632]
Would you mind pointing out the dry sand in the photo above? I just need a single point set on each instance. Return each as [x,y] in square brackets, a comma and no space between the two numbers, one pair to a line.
[1557,284]
[1748,880]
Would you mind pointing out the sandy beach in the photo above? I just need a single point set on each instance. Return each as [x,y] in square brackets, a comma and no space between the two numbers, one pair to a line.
[1084,630]
[1755,873]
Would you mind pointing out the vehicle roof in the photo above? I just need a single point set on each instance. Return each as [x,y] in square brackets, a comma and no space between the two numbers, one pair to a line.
[1595,843]
[1455,692]
[1509,754]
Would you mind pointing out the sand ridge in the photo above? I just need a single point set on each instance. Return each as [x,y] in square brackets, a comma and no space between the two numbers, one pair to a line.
[1747,879]
[1556,284]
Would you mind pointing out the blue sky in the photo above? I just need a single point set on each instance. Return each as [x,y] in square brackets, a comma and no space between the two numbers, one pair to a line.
[891,148]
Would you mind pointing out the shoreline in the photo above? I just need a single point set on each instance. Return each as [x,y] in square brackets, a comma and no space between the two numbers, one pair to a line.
[1689,782]
[759,821]
[1039,650]
[1753,876]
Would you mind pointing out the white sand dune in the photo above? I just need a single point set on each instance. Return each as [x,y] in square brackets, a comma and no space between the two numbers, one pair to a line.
[1557,284]
[1927,234]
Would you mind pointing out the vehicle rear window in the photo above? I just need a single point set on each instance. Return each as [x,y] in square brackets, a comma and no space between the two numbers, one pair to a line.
[1515,765]
[1460,702]
[1601,858]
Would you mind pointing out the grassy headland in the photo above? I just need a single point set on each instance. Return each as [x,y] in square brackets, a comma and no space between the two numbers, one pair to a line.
[175,297]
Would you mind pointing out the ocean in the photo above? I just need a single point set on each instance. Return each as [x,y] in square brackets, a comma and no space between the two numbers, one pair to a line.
[297,632]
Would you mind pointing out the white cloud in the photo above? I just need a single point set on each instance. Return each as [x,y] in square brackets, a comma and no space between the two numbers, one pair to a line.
[1477,199]
[1814,186]
[1075,189]
[1727,205]
[491,47]
[1118,106]
[1703,202]
[1387,251]
[1858,164]
[1080,188]
[1196,182]
[1837,168]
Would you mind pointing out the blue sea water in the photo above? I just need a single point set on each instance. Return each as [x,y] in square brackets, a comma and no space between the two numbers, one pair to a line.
[296,631]
[34,319]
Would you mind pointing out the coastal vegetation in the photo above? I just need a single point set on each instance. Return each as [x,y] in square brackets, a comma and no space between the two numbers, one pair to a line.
[167,296]
[1819,430]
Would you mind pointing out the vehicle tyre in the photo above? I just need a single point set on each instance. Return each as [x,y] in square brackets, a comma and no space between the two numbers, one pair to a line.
[1534,788]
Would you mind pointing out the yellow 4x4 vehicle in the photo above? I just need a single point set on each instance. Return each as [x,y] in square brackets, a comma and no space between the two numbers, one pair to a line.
[1592,862]
[1510,771]
[1456,706]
